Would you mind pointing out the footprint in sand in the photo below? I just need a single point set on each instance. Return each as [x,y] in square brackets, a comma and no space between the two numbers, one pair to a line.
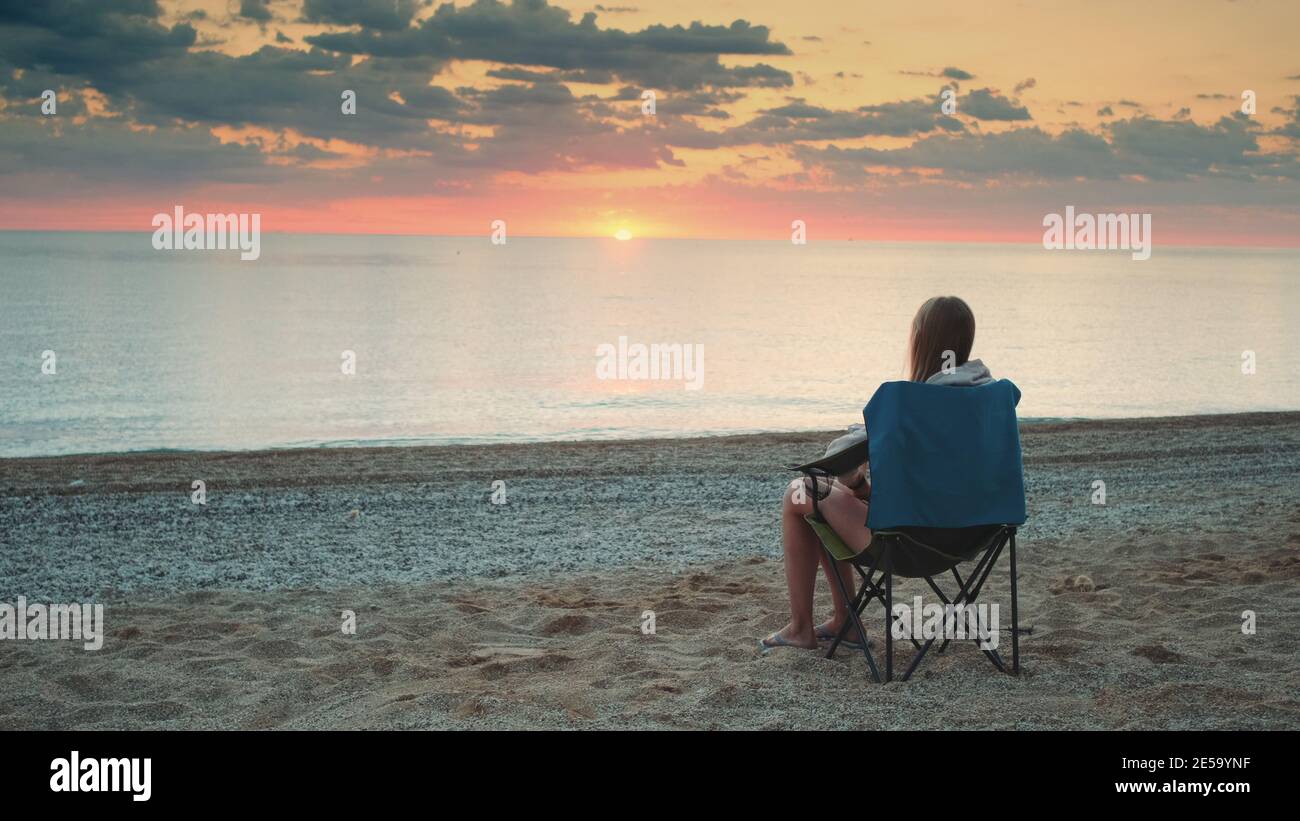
[570,624]
[1072,584]
[274,649]
[1157,654]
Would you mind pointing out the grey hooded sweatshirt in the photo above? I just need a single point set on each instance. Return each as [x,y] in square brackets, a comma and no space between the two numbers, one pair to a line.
[969,375]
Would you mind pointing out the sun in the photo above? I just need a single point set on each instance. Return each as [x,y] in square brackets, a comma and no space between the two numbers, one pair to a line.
[622,235]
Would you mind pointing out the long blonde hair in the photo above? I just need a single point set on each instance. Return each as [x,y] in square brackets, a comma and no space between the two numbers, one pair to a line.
[943,323]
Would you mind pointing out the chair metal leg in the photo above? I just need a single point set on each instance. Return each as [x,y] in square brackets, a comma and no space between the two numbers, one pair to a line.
[1015,613]
[851,605]
[960,585]
[944,599]
[967,594]
[982,565]
[970,598]
[889,623]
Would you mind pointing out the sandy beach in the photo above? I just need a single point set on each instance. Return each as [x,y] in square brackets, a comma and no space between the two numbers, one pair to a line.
[527,614]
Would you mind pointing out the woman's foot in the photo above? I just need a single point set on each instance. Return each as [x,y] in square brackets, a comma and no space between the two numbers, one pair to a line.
[788,637]
[828,629]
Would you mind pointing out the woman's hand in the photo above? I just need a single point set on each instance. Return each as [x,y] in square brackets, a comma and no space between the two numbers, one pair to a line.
[864,492]
[857,483]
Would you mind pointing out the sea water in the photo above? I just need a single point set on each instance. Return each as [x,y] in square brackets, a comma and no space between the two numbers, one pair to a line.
[108,345]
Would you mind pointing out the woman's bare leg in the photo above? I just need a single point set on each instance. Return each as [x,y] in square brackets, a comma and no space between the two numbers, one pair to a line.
[839,608]
[803,554]
[847,516]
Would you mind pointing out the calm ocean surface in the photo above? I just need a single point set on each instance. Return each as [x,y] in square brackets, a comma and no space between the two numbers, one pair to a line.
[457,340]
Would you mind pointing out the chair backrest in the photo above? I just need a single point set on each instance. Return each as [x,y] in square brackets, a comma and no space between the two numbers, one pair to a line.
[944,456]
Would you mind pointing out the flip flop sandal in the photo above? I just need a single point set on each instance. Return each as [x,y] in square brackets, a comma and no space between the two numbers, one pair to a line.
[776,640]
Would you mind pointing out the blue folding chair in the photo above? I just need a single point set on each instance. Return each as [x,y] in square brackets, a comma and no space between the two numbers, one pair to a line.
[947,487]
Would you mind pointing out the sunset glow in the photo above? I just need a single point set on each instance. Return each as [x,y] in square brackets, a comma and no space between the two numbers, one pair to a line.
[965,125]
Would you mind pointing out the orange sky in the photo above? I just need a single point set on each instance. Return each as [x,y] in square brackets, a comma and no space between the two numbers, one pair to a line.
[1146,85]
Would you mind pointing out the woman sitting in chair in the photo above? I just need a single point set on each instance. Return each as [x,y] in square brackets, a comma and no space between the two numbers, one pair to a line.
[938,353]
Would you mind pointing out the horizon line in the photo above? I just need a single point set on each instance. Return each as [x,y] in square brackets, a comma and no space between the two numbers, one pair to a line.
[486,234]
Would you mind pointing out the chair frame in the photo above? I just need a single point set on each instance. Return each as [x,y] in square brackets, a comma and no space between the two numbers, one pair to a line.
[967,593]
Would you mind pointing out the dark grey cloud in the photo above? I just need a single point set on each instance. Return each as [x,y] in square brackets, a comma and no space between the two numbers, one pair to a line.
[703,103]
[1028,151]
[285,88]
[797,121]
[534,127]
[949,73]
[1292,128]
[800,110]
[528,75]
[385,15]
[274,88]
[83,37]
[1154,149]
[544,127]
[675,75]
[150,77]
[1168,150]
[533,123]
[985,104]
[534,33]
[35,159]
[697,104]
[255,10]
